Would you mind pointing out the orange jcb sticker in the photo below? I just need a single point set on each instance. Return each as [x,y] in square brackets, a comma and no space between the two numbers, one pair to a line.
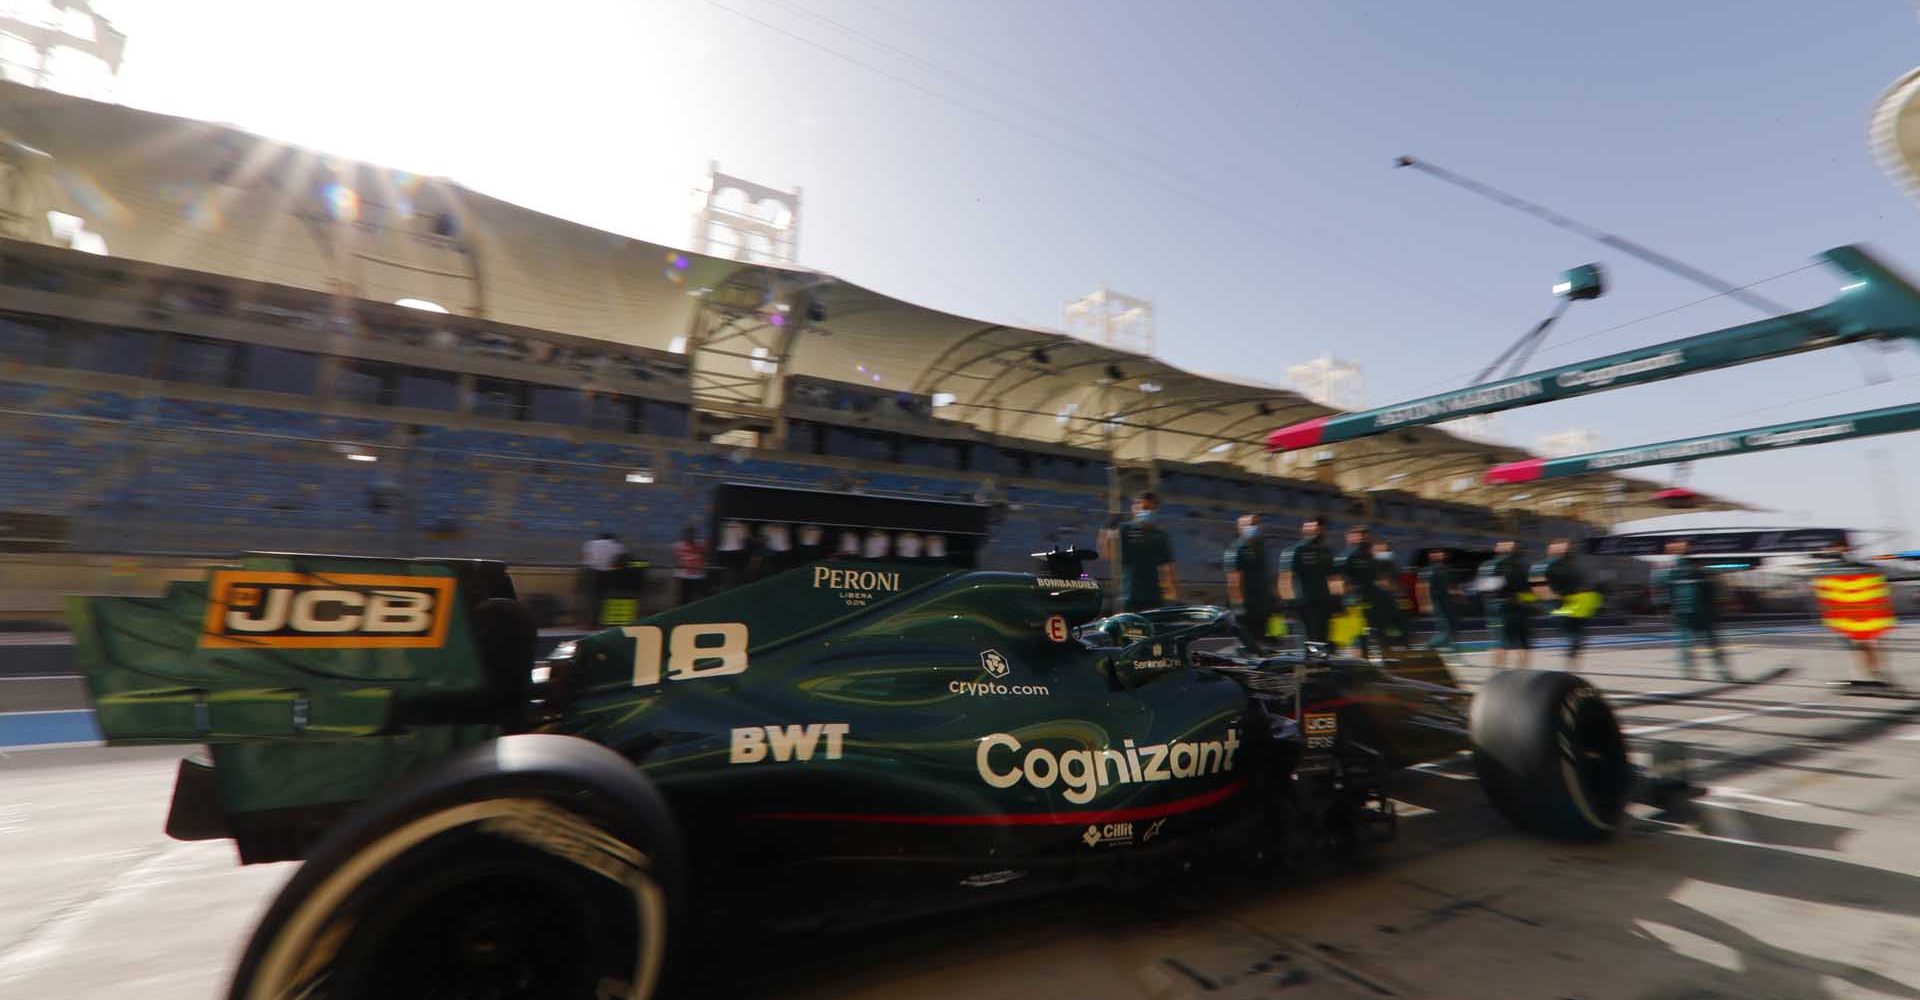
[260,610]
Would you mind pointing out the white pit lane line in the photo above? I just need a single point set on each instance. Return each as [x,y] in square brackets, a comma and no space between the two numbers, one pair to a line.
[1724,795]
[1808,707]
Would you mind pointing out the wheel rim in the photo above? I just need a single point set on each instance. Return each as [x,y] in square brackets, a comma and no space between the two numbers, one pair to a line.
[495,900]
[1593,759]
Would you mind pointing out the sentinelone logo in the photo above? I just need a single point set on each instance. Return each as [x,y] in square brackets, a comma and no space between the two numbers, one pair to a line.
[252,610]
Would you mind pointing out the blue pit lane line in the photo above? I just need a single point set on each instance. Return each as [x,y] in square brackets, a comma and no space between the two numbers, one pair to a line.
[26,729]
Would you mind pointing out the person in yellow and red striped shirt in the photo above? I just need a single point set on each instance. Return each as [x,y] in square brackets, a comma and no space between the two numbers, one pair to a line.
[1856,601]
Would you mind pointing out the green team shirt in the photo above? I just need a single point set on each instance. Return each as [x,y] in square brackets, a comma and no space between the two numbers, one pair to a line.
[1144,548]
[1689,590]
[1360,569]
[1248,557]
[1311,564]
[1439,580]
[1560,576]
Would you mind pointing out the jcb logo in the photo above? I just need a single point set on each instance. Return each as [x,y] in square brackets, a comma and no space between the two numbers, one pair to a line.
[251,610]
[1323,728]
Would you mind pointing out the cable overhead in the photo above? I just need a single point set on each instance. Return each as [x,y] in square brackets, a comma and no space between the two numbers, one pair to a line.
[1323,241]
[1870,367]
[1738,293]
[1025,106]
[1563,345]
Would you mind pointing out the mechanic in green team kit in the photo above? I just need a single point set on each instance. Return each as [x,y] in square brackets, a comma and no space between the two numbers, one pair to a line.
[1360,572]
[1438,597]
[1250,578]
[1558,578]
[1146,558]
[1305,571]
[1691,595]
[1502,583]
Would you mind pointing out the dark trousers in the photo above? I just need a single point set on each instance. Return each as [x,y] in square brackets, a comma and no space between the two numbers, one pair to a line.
[1512,629]
[1446,630]
[1253,621]
[1383,617]
[1313,618]
[1575,629]
[687,591]
[1689,630]
[588,586]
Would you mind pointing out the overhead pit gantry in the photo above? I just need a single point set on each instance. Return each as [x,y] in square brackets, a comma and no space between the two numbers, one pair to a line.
[1875,304]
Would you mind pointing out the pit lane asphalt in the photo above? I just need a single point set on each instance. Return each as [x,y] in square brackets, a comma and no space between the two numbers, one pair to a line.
[1796,875]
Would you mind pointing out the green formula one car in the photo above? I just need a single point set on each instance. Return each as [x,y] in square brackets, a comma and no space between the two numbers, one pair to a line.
[834,741]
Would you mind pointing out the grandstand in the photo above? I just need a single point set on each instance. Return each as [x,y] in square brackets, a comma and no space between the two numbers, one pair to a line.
[235,373]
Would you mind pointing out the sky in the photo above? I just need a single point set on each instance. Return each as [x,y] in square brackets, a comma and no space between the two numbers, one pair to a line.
[1230,161]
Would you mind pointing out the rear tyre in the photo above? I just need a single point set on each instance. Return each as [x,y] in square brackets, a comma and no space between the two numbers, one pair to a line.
[479,883]
[1550,754]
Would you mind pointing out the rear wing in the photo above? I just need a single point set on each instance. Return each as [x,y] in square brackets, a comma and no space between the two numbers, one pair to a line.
[299,646]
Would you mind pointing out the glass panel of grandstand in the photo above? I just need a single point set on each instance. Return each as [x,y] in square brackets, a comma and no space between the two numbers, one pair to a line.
[27,339]
[115,352]
[616,413]
[427,390]
[500,398]
[274,369]
[553,405]
[206,362]
[666,419]
[369,382]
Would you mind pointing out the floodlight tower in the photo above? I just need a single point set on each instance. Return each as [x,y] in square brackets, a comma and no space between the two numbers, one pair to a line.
[1112,318]
[1576,441]
[743,220]
[65,42]
[1330,381]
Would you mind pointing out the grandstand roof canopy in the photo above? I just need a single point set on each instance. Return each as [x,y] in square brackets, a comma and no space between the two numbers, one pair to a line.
[207,197]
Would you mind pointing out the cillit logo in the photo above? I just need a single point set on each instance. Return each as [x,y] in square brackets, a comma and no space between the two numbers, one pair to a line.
[251,610]
[1110,834]
[994,664]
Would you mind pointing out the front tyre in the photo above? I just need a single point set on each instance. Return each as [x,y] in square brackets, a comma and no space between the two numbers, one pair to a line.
[1550,754]
[508,887]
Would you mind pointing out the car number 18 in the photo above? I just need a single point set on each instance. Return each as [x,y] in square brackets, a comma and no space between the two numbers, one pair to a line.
[692,653]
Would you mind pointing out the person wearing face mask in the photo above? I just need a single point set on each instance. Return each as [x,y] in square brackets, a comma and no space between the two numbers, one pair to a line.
[1437,595]
[1250,577]
[1305,572]
[1146,558]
